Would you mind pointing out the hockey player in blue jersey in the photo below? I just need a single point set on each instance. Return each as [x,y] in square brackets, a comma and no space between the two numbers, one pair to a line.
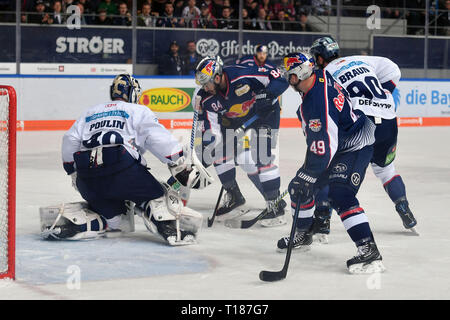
[371,83]
[339,148]
[229,97]
[259,59]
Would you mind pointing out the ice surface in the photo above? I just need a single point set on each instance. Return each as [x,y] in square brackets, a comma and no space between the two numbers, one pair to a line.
[226,262]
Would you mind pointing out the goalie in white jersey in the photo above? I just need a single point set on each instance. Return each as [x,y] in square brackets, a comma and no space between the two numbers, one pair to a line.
[371,83]
[102,152]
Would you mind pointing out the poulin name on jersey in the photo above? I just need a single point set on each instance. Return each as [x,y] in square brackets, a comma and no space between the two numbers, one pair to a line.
[107,124]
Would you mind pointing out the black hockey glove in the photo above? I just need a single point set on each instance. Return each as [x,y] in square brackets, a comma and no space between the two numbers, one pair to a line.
[302,186]
[263,102]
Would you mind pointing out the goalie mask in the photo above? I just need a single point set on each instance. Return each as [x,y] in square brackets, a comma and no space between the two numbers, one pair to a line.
[125,87]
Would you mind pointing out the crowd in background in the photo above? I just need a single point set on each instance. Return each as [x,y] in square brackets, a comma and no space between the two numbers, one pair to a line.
[277,15]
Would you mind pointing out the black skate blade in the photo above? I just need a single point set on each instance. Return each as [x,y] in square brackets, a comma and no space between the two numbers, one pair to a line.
[272,276]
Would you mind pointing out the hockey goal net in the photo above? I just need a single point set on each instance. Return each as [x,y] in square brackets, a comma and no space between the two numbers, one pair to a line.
[7,180]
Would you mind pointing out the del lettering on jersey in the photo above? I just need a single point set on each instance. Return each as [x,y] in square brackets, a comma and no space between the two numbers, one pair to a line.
[107,124]
[353,73]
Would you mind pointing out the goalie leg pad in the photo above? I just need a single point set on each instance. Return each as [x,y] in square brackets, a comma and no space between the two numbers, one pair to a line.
[71,221]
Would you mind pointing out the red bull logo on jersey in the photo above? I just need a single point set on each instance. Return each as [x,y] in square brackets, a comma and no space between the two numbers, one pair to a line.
[240,110]
[315,125]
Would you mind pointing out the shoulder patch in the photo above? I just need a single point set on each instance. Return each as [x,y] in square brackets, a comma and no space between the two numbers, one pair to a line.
[315,125]
[242,90]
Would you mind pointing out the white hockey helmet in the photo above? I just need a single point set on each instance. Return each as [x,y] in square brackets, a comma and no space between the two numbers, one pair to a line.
[299,63]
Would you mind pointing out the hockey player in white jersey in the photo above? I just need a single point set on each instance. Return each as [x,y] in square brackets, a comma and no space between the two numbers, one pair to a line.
[102,152]
[371,83]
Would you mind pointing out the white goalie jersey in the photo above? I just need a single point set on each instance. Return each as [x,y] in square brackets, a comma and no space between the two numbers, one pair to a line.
[370,82]
[120,123]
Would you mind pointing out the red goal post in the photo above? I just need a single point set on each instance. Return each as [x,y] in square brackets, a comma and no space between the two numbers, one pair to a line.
[8,126]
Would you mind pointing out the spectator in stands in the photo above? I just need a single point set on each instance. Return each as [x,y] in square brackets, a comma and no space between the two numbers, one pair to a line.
[146,19]
[57,15]
[191,58]
[168,20]
[321,7]
[226,22]
[303,24]
[82,17]
[102,18]
[287,7]
[109,6]
[247,21]
[252,8]
[206,20]
[159,6]
[124,18]
[268,7]
[190,12]
[262,23]
[90,7]
[391,8]
[40,16]
[415,17]
[178,8]
[172,63]
[282,23]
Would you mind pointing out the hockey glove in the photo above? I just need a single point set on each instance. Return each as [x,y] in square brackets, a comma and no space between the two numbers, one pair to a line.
[263,102]
[302,186]
[180,170]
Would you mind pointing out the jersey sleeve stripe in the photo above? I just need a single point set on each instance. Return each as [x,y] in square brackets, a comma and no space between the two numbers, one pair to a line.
[331,126]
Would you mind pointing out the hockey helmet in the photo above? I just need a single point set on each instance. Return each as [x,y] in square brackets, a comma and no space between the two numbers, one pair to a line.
[326,47]
[300,63]
[207,69]
[125,87]
[261,48]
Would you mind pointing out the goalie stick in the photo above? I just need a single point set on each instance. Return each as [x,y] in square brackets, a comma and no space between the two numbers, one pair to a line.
[271,276]
[245,224]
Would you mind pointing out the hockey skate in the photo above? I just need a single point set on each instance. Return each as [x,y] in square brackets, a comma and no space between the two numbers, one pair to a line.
[368,260]
[302,241]
[409,222]
[232,199]
[321,226]
[275,217]
[168,231]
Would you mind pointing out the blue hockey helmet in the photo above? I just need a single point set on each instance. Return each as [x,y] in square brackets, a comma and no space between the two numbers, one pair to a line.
[326,47]
[261,48]
[299,63]
[207,69]
[125,87]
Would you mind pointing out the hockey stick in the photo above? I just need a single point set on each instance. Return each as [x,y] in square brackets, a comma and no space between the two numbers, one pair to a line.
[211,221]
[280,275]
[245,224]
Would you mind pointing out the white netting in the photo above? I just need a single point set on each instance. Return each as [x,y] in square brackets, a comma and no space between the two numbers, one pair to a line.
[4,134]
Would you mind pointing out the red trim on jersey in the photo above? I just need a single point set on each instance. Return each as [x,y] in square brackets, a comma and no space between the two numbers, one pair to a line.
[266,167]
[305,206]
[349,212]
[326,113]
[390,180]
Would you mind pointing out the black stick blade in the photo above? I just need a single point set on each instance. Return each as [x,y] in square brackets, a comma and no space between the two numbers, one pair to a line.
[271,276]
